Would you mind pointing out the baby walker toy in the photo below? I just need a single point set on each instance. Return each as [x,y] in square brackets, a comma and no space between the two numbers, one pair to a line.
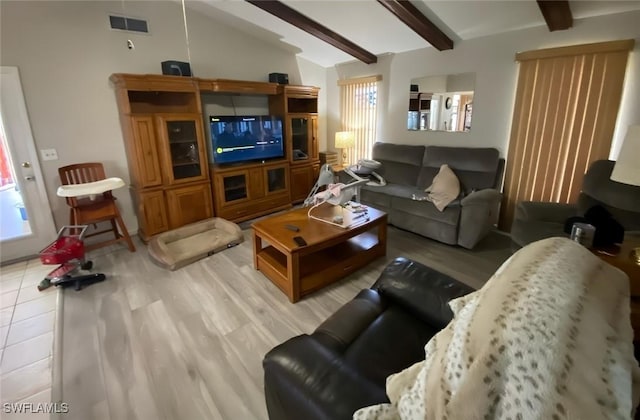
[68,251]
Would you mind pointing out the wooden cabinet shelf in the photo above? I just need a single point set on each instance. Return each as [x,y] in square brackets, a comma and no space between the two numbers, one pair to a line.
[185,163]
[299,107]
[153,83]
[306,105]
[237,86]
[251,190]
[318,263]
[235,189]
[189,141]
[163,129]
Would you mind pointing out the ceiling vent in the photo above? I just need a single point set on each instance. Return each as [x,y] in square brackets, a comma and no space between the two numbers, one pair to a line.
[129,24]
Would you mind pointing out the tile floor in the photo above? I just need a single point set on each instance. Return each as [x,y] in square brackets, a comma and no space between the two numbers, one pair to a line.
[26,336]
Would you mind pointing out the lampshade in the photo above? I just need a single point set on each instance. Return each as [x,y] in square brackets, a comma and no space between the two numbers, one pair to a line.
[345,139]
[627,168]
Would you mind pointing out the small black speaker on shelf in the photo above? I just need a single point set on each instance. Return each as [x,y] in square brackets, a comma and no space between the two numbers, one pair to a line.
[279,78]
[176,68]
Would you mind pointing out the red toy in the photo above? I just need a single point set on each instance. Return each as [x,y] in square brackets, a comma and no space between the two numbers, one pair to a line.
[68,251]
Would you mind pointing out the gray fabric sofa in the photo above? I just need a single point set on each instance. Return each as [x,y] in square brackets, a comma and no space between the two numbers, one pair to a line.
[535,220]
[409,170]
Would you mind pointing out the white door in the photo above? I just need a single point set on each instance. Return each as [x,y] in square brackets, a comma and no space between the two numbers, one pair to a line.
[26,223]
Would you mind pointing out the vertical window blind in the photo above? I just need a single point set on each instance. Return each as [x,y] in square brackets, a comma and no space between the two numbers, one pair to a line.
[567,101]
[359,114]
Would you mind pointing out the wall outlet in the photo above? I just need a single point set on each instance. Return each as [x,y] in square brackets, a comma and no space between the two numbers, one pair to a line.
[49,154]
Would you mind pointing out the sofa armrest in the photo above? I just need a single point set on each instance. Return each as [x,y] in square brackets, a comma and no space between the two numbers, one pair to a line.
[348,322]
[534,220]
[544,212]
[305,380]
[479,214]
[421,290]
[487,195]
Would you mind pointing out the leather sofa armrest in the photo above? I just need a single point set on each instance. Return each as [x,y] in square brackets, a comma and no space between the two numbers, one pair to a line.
[487,195]
[544,212]
[303,379]
[421,290]
[346,324]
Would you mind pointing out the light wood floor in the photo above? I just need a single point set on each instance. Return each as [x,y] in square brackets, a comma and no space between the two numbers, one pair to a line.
[152,344]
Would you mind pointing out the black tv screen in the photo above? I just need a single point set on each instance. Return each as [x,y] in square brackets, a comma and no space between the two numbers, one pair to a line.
[245,138]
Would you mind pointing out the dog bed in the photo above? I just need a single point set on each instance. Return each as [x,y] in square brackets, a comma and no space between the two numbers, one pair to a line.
[179,247]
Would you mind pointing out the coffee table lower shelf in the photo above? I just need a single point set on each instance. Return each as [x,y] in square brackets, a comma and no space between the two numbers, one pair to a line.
[306,270]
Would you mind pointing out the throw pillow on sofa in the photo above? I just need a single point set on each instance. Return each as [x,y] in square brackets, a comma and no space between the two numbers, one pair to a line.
[444,189]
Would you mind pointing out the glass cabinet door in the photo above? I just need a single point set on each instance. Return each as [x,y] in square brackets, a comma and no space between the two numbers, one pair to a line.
[276,179]
[299,127]
[234,187]
[186,159]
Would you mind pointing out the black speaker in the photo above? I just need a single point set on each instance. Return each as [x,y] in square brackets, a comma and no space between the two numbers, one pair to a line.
[176,68]
[279,78]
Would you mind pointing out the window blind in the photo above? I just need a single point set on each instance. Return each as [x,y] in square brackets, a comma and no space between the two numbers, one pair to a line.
[359,106]
[567,101]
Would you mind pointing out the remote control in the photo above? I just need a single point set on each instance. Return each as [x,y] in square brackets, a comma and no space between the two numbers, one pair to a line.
[300,240]
[292,227]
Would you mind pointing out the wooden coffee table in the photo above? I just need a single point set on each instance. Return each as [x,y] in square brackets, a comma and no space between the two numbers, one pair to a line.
[331,252]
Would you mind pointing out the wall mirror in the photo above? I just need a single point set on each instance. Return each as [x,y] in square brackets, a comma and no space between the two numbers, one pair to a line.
[441,103]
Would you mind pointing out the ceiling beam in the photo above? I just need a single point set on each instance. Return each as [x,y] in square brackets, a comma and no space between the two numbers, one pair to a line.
[556,13]
[312,27]
[419,23]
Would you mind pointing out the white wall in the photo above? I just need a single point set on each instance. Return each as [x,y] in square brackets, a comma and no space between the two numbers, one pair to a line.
[65,52]
[492,59]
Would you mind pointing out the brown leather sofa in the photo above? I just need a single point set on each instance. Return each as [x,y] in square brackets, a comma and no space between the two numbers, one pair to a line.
[343,365]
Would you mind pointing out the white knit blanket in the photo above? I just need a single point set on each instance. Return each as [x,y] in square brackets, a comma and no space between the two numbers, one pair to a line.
[547,337]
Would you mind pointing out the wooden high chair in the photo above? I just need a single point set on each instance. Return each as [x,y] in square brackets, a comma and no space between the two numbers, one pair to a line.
[93,202]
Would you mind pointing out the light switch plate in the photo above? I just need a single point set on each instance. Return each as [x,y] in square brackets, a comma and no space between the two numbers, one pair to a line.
[49,154]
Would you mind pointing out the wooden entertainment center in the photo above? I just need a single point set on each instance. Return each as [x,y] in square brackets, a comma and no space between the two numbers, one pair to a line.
[173,181]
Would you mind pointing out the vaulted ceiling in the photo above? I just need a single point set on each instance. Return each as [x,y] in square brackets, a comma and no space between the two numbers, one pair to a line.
[329,32]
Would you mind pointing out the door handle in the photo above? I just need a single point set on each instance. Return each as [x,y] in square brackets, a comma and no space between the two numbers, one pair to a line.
[30,178]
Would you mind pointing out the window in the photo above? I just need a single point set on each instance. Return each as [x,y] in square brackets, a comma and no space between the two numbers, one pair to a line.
[565,112]
[359,114]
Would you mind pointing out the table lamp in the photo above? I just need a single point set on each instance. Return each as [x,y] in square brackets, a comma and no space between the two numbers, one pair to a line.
[626,170]
[344,140]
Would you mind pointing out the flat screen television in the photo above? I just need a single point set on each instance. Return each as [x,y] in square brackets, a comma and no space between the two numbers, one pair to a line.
[246,138]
